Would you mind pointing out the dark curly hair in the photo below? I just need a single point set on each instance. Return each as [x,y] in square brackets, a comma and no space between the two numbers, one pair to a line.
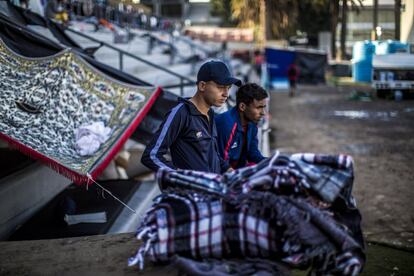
[249,92]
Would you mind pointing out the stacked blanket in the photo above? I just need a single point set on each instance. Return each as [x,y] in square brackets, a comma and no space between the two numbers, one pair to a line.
[295,209]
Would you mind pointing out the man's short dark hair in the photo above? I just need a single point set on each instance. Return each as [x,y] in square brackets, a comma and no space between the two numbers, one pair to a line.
[249,92]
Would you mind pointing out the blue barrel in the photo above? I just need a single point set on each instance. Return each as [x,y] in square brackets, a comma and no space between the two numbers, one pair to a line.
[363,51]
[397,46]
[390,47]
[362,71]
[382,48]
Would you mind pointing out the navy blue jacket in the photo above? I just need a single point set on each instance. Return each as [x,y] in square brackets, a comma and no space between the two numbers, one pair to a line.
[191,139]
[230,139]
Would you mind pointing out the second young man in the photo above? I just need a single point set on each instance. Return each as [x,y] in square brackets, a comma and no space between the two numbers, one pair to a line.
[237,128]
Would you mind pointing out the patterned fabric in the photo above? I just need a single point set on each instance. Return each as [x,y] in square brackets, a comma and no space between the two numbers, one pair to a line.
[263,211]
[263,225]
[44,100]
[202,181]
[329,176]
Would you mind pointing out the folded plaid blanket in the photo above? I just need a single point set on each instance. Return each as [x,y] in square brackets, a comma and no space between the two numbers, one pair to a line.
[329,176]
[264,225]
[262,211]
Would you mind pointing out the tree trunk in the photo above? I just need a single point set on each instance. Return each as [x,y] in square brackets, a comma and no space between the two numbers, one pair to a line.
[375,20]
[262,24]
[268,25]
[334,7]
[397,12]
[343,28]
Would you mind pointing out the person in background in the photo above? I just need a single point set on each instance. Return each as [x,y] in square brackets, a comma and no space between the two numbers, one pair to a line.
[56,9]
[258,61]
[293,74]
[237,128]
[24,4]
[189,130]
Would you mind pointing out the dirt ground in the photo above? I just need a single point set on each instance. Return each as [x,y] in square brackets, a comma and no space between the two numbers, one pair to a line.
[108,254]
[378,134]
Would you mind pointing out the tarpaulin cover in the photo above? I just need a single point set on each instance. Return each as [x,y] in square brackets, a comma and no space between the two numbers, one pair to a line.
[59,93]
[49,222]
[311,64]
[30,44]
[311,67]
[26,17]
[278,62]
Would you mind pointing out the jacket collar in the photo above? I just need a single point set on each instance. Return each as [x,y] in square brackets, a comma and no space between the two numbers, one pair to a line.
[234,113]
[193,109]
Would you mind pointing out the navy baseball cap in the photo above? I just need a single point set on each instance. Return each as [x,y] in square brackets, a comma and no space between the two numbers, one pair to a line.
[218,72]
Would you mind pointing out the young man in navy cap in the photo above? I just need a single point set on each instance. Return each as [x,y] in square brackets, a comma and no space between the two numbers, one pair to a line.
[189,130]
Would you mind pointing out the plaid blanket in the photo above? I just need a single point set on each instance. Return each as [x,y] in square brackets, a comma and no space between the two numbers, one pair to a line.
[262,226]
[194,180]
[328,176]
[43,101]
[251,214]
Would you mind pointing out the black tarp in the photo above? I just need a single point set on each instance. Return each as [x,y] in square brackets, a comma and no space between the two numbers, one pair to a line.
[8,10]
[24,41]
[26,17]
[311,64]
[311,67]
[49,222]
[30,44]
[12,160]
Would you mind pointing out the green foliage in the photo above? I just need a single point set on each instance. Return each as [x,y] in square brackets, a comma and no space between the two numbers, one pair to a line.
[314,16]
[283,17]
[222,8]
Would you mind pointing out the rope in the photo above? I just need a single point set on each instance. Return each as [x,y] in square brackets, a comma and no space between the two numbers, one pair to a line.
[109,192]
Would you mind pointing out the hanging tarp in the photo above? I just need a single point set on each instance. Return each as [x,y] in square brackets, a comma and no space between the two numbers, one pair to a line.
[44,100]
[25,42]
[52,221]
[30,44]
[26,17]
[278,62]
[311,64]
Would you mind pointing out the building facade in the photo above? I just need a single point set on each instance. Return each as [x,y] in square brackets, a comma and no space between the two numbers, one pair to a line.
[195,11]
[360,23]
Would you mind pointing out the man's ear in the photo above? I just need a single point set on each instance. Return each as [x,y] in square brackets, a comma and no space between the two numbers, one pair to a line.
[242,107]
[201,86]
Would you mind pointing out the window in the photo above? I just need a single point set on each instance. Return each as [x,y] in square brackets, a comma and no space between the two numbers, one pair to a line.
[171,10]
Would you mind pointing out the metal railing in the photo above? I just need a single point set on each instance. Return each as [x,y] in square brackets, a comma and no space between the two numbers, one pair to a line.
[194,46]
[184,81]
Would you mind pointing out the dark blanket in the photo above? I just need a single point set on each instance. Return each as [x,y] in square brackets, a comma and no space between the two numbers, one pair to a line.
[295,209]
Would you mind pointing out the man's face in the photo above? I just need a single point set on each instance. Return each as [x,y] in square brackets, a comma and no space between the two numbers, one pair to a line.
[214,94]
[254,111]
